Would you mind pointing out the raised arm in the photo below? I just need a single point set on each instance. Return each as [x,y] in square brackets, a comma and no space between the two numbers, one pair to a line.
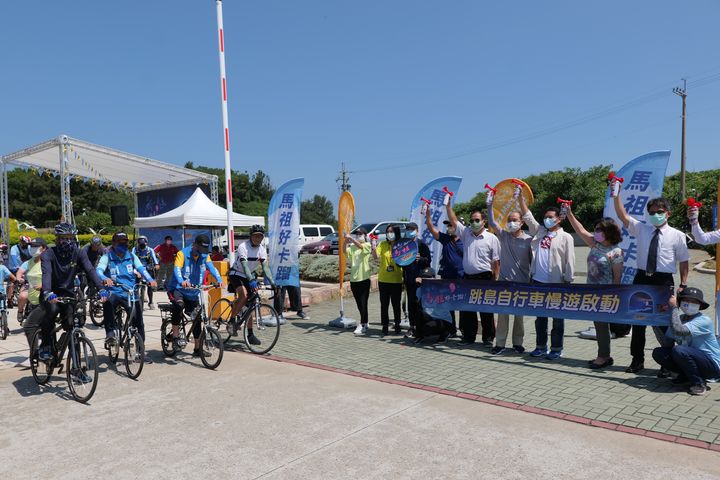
[452,218]
[527,216]
[620,211]
[430,226]
[491,218]
[586,236]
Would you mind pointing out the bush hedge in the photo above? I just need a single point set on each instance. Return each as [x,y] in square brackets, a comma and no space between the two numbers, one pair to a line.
[325,268]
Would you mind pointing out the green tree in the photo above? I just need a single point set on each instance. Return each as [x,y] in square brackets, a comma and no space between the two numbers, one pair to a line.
[317,210]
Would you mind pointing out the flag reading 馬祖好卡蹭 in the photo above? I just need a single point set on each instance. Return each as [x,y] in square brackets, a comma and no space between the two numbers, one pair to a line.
[644,177]
[284,233]
[434,193]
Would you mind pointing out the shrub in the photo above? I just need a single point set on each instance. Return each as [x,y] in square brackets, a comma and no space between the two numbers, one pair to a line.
[325,268]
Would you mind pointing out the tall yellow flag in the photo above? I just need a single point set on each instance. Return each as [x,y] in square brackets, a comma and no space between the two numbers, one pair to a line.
[346,215]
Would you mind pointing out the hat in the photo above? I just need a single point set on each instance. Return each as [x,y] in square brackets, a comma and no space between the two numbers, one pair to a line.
[203,243]
[96,240]
[119,236]
[411,226]
[427,272]
[38,242]
[692,293]
[360,231]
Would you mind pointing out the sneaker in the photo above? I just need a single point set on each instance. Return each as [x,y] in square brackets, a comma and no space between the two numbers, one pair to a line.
[519,348]
[302,315]
[151,306]
[699,389]
[487,343]
[385,330]
[80,376]
[497,350]
[539,352]
[253,340]
[465,343]
[589,334]
[359,330]
[636,366]
[44,354]
[410,332]
[197,352]
[554,355]
[365,329]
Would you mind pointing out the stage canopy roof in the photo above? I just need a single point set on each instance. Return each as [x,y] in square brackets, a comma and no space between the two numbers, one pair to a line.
[104,165]
[198,210]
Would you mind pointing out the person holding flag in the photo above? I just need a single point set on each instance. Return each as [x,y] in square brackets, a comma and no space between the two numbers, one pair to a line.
[410,274]
[358,252]
[389,279]
[660,250]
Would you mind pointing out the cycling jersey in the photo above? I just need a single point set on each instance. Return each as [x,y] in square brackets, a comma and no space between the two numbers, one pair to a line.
[17,257]
[4,274]
[59,271]
[191,266]
[247,252]
[147,256]
[121,271]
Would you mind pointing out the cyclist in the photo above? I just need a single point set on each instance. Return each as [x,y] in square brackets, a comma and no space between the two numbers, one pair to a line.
[190,266]
[241,278]
[30,275]
[3,253]
[19,254]
[5,274]
[94,250]
[60,267]
[118,266]
[149,260]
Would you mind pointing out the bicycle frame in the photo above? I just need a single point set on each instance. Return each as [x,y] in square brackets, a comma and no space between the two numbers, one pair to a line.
[58,347]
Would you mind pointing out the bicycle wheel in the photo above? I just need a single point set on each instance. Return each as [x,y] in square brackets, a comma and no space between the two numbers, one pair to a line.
[263,322]
[41,371]
[114,351]
[96,312]
[134,355]
[220,315]
[167,346]
[212,345]
[4,330]
[82,378]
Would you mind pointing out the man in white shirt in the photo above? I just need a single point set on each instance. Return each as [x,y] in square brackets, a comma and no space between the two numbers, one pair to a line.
[660,248]
[481,260]
[702,238]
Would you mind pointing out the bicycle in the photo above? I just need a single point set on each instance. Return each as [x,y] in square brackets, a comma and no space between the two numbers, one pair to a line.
[81,359]
[4,329]
[127,336]
[95,309]
[210,340]
[259,317]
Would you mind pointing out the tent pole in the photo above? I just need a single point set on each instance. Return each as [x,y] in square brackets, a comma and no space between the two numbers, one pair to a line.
[4,205]
[226,133]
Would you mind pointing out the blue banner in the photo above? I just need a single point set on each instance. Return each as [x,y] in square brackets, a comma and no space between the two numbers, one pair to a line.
[644,179]
[433,192]
[627,304]
[284,233]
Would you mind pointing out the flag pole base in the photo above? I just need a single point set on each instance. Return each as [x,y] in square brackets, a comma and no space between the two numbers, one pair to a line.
[343,322]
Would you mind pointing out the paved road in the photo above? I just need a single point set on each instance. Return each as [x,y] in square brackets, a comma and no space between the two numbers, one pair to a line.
[254,418]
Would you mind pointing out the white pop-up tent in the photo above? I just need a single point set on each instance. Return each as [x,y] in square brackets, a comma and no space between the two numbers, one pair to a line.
[197,211]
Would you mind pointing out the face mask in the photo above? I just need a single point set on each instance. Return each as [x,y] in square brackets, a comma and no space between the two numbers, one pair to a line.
[689,308]
[34,251]
[142,244]
[549,223]
[65,246]
[390,236]
[599,237]
[451,232]
[476,226]
[360,238]
[513,227]
[658,219]
[120,248]
[411,234]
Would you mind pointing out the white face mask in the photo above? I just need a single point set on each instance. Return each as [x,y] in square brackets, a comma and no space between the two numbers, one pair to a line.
[391,236]
[34,251]
[513,226]
[549,223]
[360,238]
[689,308]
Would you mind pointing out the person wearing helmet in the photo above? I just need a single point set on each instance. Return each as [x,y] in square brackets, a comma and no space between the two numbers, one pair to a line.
[60,266]
[29,275]
[94,250]
[241,279]
[19,254]
[118,266]
[149,260]
[696,355]
[191,263]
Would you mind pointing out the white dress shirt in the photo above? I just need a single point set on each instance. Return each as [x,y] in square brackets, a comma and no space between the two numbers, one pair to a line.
[480,250]
[672,248]
[705,238]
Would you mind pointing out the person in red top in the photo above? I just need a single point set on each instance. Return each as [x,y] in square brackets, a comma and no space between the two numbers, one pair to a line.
[166,251]
[216,255]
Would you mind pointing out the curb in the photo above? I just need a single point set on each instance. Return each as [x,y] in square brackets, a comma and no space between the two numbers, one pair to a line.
[500,403]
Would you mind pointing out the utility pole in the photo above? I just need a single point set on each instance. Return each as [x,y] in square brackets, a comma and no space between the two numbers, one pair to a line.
[343,179]
[682,93]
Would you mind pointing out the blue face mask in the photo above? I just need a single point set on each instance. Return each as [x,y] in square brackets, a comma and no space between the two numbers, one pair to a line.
[120,248]
[411,234]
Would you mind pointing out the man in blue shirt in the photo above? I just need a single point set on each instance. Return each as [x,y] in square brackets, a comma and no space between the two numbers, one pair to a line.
[19,254]
[191,263]
[117,267]
[451,261]
[149,259]
[696,357]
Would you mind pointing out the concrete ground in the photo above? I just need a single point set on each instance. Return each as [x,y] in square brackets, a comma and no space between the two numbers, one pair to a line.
[255,418]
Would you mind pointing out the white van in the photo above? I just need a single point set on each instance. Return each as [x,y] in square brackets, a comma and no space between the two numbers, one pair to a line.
[313,233]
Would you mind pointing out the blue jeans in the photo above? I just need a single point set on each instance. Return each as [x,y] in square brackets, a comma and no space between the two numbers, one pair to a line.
[696,365]
[556,334]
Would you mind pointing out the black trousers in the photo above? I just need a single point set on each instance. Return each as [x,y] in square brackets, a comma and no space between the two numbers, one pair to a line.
[361,292]
[295,296]
[468,320]
[390,293]
[637,341]
[414,312]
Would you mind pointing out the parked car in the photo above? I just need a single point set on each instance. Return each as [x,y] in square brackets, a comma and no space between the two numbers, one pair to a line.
[326,246]
[314,233]
[378,229]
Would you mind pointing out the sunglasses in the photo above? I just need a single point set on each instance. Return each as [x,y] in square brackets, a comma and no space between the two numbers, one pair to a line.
[476,221]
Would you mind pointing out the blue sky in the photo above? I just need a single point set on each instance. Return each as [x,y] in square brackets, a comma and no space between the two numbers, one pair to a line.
[401,91]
